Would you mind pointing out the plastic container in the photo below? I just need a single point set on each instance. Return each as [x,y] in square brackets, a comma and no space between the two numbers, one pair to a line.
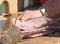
[2,22]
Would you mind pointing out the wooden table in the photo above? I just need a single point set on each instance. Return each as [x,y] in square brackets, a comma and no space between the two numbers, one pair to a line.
[41,40]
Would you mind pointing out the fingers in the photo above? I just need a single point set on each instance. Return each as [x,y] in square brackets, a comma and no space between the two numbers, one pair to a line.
[48,19]
[30,14]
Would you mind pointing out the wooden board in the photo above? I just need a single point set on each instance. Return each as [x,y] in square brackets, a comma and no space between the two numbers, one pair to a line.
[41,40]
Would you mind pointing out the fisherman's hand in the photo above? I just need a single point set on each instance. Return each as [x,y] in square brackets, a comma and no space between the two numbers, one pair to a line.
[30,14]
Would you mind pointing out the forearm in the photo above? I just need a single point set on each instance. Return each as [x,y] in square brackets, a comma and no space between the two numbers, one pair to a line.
[53,8]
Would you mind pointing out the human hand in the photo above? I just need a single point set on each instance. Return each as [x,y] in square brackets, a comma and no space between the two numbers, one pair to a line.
[30,14]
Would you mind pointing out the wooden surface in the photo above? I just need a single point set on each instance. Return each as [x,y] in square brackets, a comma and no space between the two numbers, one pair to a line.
[41,40]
